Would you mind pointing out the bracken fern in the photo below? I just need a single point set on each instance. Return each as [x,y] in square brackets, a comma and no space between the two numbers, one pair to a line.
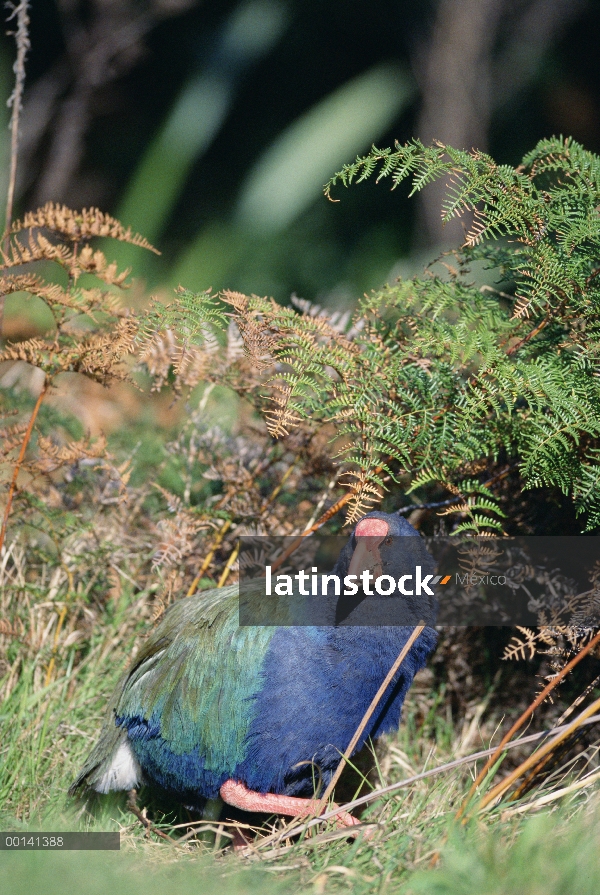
[441,379]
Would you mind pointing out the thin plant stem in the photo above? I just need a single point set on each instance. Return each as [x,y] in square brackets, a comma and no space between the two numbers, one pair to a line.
[209,556]
[147,824]
[323,498]
[21,13]
[230,562]
[553,796]
[368,714]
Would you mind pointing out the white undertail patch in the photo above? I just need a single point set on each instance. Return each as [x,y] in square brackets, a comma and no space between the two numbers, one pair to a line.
[124,771]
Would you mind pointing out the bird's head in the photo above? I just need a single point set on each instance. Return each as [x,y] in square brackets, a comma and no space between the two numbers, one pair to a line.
[385,544]
[375,547]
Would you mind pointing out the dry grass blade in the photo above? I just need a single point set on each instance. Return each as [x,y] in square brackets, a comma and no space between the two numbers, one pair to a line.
[209,557]
[229,565]
[553,796]
[501,787]
[368,714]
[524,717]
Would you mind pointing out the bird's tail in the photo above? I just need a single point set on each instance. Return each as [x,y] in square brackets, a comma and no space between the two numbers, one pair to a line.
[111,765]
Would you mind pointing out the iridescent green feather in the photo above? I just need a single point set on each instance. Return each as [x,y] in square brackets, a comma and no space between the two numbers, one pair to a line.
[190,669]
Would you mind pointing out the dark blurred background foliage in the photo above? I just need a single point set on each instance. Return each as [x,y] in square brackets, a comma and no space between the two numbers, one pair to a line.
[211,127]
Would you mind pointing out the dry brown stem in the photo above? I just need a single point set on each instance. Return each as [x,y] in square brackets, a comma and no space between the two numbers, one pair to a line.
[534,759]
[19,12]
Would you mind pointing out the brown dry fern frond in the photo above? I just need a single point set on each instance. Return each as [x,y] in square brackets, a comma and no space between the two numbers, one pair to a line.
[12,437]
[72,452]
[36,248]
[74,260]
[259,341]
[80,226]
[30,283]
[93,335]
[282,419]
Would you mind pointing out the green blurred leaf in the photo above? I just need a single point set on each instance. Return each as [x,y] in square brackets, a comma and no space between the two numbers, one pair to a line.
[290,175]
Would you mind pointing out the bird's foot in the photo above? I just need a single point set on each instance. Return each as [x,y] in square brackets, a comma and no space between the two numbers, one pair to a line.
[238,795]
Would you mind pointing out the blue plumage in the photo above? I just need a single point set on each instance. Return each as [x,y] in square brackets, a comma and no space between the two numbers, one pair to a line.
[273,708]
[310,712]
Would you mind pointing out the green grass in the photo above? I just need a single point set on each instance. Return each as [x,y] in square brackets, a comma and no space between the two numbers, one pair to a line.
[547,855]
[96,873]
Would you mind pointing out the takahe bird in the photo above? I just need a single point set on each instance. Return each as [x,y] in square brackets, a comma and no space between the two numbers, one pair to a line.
[256,715]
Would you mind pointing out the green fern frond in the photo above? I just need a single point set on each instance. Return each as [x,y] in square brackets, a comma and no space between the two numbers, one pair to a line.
[437,376]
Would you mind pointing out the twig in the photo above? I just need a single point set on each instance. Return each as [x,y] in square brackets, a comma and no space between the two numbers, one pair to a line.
[524,717]
[19,462]
[445,503]
[530,335]
[428,506]
[21,14]
[368,714]
[148,825]
[323,498]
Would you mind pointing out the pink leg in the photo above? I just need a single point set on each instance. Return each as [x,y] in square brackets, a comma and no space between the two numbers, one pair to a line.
[238,795]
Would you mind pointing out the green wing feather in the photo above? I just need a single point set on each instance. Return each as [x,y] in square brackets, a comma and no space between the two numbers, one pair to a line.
[196,672]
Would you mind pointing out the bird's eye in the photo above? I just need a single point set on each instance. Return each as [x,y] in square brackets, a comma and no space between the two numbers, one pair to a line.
[388,540]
